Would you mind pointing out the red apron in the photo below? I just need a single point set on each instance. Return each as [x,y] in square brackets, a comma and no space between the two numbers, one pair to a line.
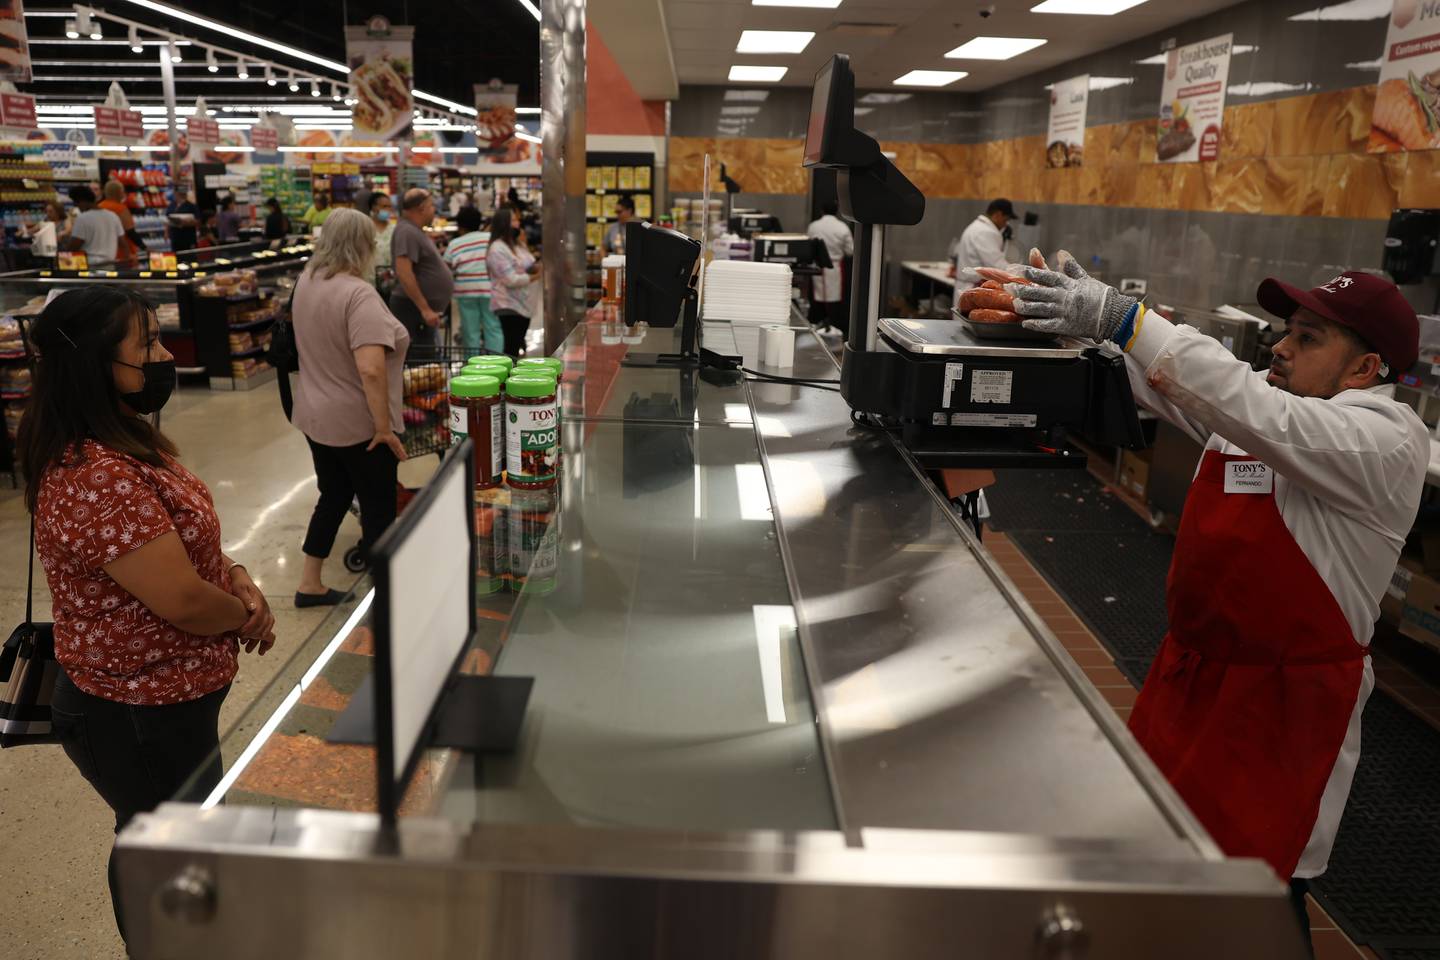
[1247,704]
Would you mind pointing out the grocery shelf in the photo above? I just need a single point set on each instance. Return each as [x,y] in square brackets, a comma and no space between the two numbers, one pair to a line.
[252,324]
[255,351]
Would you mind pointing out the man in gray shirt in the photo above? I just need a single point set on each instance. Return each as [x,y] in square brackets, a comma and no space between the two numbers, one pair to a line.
[423,282]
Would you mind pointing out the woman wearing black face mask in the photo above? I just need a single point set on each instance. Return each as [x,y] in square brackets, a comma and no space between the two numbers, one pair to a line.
[149,614]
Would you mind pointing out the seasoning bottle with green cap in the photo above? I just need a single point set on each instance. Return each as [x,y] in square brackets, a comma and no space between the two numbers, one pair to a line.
[475,411]
[532,433]
[486,370]
[499,358]
[554,364]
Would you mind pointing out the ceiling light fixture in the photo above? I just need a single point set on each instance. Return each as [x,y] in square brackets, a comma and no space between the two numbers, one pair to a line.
[526,135]
[135,45]
[930,78]
[1094,8]
[241,70]
[774,41]
[259,41]
[1354,10]
[994,48]
[175,55]
[527,109]
[211,64]
[448,104]
[314,87]
[72,30]
[820,4]
[294,84]
[335,92]
[270,80]
[755,74]
[534,10]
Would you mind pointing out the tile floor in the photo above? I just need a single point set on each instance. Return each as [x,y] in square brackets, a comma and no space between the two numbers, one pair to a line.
[1097,664]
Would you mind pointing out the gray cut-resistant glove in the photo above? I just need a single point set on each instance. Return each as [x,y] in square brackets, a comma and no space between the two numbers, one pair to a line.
[1071,303]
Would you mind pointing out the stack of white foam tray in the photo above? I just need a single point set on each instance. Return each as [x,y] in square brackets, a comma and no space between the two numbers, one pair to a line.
[743,291]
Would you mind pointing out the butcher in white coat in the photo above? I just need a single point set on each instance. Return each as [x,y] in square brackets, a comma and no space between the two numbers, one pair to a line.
[1310,480]
[827,294]
[982,244]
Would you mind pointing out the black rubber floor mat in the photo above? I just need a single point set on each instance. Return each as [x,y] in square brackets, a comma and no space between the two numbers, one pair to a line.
[1383,885]
[1056,500]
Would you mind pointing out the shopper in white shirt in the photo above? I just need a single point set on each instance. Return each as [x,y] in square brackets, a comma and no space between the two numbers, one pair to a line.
[827,295]
[1310,481]
[97,233]
[982,244]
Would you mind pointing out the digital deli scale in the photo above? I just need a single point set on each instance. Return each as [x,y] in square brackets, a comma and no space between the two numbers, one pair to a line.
[959,400]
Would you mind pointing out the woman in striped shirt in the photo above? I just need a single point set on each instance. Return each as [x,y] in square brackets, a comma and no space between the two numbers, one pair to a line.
[466,256]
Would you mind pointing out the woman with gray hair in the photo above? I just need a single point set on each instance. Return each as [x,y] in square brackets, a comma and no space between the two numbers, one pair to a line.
[347,403]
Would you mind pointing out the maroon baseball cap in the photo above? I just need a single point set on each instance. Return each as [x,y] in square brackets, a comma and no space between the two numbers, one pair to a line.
[1371,306]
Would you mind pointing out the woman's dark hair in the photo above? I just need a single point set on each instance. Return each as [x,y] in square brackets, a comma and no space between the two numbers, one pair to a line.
[72,392]
[226,202]
[502,227]
[469,219]
[273,204]
[376,199]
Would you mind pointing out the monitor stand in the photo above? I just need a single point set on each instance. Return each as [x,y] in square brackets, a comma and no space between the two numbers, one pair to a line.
[688,355]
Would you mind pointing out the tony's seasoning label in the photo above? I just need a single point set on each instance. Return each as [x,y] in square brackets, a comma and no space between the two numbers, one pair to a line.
[532,441]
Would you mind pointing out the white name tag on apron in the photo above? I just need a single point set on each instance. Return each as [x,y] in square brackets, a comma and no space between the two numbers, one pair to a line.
[1248,476]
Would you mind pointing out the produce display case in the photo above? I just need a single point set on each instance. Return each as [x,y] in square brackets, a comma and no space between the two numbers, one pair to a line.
[784,705]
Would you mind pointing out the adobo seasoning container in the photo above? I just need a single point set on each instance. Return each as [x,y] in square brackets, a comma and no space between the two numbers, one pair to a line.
[491,553]
[532,434]
[499,358]
[554,364]
[478,398]
[495,370]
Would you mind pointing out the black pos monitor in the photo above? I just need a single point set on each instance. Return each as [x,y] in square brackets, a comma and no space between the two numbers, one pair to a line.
[872,192]
[660,289]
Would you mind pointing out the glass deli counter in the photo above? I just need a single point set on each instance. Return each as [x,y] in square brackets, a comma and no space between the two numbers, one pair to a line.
[784,705]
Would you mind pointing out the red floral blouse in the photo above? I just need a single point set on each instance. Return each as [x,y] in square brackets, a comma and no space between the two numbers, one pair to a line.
[93,508]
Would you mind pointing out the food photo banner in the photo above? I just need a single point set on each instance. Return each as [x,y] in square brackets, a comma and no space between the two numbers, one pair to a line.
[1065,136]
[381,77]
[1407,101]
[1192,101]
[14,42]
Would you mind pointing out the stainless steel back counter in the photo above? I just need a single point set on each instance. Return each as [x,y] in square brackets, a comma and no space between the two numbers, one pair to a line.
[785,705]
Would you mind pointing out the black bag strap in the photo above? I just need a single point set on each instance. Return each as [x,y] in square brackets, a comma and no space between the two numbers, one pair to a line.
[30,583]
[282,377]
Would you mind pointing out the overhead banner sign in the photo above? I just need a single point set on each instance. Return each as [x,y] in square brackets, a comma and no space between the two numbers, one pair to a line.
[1065,136]
[265,139]
[14,43]
[1406,115]
[1192,101]
[121,124]
[17,111]
[202,130]
[381,78]
[495,117]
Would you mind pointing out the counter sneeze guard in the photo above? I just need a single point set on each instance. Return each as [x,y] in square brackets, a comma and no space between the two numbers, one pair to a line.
[784,705]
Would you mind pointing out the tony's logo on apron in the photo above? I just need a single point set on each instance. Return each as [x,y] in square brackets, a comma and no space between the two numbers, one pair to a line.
[1248,476]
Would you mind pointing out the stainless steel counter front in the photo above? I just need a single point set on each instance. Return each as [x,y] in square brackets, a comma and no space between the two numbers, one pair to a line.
[785,706]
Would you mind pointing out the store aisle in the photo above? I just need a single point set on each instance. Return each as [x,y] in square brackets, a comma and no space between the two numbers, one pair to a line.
[54,832]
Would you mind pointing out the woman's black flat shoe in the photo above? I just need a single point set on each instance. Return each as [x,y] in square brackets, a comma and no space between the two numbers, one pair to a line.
[327,599]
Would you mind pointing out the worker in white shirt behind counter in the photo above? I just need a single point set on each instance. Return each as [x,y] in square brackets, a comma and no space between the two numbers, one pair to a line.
[1310,481]
[981,245]
[827,296]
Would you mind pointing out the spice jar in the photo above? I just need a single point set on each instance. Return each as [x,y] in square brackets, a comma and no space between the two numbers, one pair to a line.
[500,358]
[532,434]
[485,370]
[475,410]
[554,365]
[613,274]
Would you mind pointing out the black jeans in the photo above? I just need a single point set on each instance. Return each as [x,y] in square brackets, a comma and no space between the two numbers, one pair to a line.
[515,326]
[138,757]
[343,474]
[423,337]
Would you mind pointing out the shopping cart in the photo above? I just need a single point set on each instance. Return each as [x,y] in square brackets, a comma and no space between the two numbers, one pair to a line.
[425,410]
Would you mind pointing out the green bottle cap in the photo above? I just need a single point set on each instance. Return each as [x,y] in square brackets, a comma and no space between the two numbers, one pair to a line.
[549,363]
[530,385]
[493,358]
[475,386]
[485,370]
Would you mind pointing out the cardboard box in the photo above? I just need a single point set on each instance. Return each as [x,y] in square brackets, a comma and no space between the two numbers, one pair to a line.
[1135,473]
[1420,617]
[1392,604]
